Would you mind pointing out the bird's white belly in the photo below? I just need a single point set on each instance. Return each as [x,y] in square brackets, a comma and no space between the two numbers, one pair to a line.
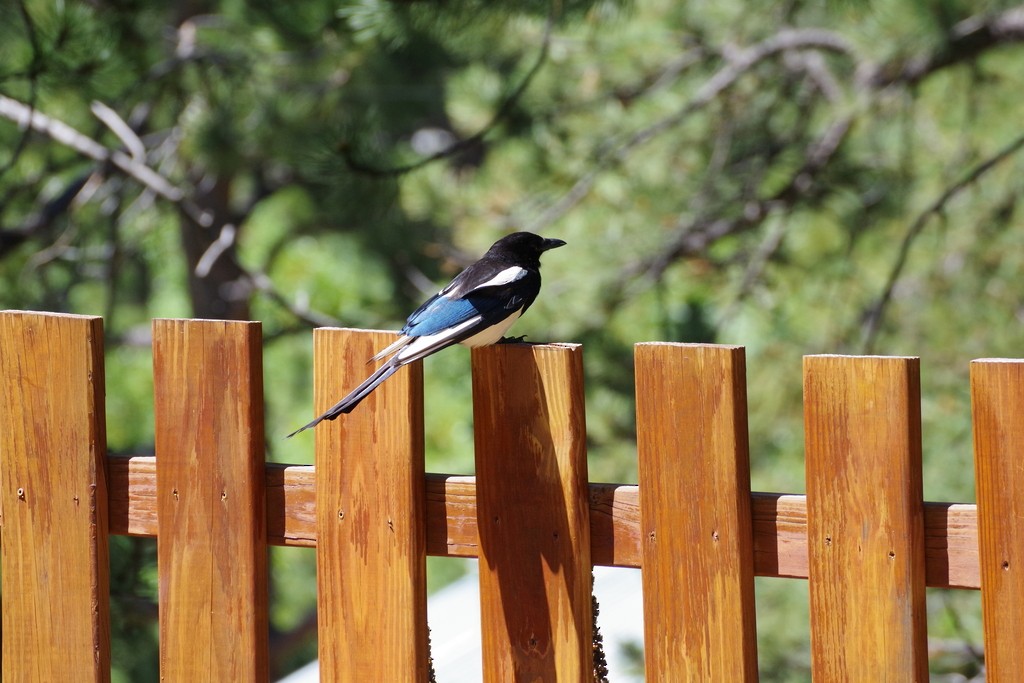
[493,333]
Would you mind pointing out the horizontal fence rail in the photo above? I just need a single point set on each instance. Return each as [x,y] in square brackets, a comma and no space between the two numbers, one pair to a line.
[778,521]
[862,536]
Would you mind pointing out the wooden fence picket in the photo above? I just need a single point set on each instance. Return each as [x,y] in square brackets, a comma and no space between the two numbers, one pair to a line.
[211,511]
[53,498]
[371,546]
[997,397]
[865,528]
[532,513]
[698,569]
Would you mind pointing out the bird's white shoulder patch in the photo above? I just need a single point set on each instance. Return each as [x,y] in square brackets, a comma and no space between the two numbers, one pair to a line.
[505,277]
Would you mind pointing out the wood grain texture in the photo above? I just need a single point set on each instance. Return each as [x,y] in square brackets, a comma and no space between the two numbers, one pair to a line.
[997,401]
[779,527]
[615,525]
[132,490]
[951,546]
[56,595]
[451,516]
[779,521]
[291,505]
[697,542]
[532,513]
[211,490]
[862,424]
[371,543]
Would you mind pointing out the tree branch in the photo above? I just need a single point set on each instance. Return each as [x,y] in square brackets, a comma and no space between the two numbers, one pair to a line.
[121,129]
[261,282]
[966,41]
[741,63]
[875,314]
[695,237]
[25,116]
[57,130]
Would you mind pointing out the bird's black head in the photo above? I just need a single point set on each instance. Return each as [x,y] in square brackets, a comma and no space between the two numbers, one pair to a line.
[523,247]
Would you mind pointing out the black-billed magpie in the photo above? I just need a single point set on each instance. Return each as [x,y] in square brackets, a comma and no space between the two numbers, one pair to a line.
[475,309]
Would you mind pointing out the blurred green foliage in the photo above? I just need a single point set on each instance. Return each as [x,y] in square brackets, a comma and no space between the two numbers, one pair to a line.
[794,177]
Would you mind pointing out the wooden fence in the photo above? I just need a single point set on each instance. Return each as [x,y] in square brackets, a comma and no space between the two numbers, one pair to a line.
[862,536]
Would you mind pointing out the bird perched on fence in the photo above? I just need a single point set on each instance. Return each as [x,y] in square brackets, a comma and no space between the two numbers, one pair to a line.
[475,309]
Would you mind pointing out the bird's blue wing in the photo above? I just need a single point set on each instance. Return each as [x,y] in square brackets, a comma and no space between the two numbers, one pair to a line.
[438,314]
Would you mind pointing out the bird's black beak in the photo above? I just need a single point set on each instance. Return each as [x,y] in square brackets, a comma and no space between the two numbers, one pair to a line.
[551,244]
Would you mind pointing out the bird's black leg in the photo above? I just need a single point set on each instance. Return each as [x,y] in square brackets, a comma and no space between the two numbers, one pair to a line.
[512,340]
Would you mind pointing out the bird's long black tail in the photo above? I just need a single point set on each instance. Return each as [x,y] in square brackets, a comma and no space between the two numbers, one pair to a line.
[346,404]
